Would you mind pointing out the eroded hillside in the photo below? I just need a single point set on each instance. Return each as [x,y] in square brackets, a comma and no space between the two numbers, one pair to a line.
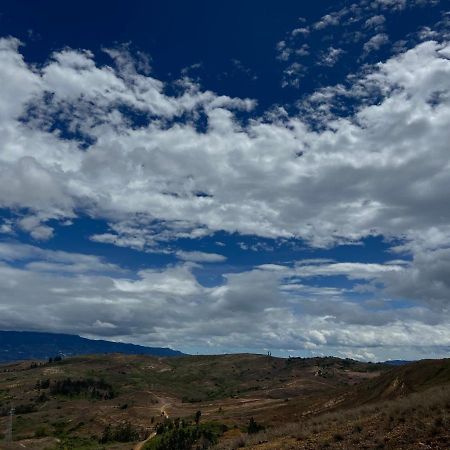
[118,402]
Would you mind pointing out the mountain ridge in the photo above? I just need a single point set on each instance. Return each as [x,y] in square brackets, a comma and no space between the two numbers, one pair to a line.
[24,345]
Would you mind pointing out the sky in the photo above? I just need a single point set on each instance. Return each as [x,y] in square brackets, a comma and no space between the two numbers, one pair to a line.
[228,176]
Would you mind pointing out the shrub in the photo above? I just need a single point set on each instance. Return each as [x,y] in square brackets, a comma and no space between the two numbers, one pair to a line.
[42,384]
[254,427]
[123,432]
[41,432]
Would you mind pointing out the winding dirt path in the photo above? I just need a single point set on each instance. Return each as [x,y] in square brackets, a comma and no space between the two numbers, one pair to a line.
[162,409]
[140,445]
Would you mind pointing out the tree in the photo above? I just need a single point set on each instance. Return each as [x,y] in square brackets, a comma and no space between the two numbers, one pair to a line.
[198,414]
[254,427]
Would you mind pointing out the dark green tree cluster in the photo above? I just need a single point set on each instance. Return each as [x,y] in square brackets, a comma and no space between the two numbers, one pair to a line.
[57,358]
[25,408]
[187,438]
[123,432]
[42,384]
[181,435]
[95,389]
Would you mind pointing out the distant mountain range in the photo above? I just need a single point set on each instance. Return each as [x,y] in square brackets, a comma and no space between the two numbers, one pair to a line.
[22,345]
[397,362]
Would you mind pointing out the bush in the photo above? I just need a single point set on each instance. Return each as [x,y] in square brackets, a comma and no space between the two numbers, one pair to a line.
[123,432]
[42,398]
[338,437]
[41,432]
[42,384]
[254,427]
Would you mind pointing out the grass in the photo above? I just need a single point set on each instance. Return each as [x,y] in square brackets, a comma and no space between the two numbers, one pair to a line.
[415,421]
[303,403]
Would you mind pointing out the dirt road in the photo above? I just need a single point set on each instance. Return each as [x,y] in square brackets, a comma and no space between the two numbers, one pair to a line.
[140,445]
[162,409]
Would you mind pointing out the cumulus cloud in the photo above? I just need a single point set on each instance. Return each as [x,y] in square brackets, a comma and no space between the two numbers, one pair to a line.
[376,42]
[426,280]
[54,261]
[375,21]
[249,310]
[358,22]
[166,179]
[331,56]
[200,257]
[393,4]
[382,169]
[292,75]
[328,20]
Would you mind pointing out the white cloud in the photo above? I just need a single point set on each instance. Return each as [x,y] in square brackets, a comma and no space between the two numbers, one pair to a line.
[375,21]
[200,257]
[327,20]
[376,42]
[426,280]
[292,75]
[331,56]
[382,170]
[7,227]
[396,5]
[159,182]
[37,230]
[303,31]
[250,310]
[54,261]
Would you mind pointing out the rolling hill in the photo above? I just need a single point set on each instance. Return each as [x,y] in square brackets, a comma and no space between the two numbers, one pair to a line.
[80,397]
[119,402]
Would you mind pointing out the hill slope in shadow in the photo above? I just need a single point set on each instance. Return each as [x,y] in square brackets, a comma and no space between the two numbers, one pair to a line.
[24,345]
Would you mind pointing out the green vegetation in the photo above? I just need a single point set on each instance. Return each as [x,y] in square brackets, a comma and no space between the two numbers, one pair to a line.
[181,435]
[304,403]
[19,409]
[42,384]
[78,443]
[41,431]
[95,389]
[122,432]
[254,427]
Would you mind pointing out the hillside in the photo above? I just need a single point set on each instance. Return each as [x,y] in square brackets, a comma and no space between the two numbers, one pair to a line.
[403,380]
[405,408]
[24,345]
[76,399]
[118,401]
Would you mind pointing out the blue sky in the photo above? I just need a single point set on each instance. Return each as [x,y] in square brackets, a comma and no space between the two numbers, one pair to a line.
[228,177]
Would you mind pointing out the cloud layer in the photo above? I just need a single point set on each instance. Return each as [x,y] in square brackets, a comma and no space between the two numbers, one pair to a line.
[268,307]
[112,143]
[384,170]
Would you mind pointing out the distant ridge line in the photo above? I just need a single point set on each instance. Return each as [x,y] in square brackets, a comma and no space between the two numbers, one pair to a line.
[23,345]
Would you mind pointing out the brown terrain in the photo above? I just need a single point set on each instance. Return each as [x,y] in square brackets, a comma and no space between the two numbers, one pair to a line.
[142,402]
